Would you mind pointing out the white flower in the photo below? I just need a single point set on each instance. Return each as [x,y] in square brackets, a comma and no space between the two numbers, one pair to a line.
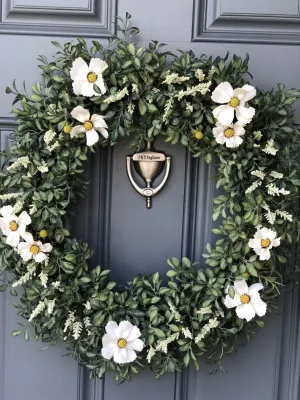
[70,321]
[44,279]
[50,306]
[246,300]
[22,161]
[212,323]
[121,342]
[49,136]
[77,329]
[233,101]
[89,125]
[86,76]
[38,309]
[150,354]
[273,190]
[12,226]
[270,148]
[187,333]
[33,250]
[162,345]
[204,310]
[230,135]
[264,240]
[259,174]
[87,305]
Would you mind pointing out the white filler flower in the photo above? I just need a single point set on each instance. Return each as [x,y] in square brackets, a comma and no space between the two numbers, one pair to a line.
[264,240]
[89,125]
[233,101]
[33,250]
[13,227]
[246,300]
[86,76]
[230,135]
[121,342]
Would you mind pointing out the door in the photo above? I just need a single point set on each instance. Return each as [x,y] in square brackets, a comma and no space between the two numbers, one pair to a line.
[132,239]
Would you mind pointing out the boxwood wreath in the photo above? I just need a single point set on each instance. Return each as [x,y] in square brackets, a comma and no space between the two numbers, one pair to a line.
[96,96]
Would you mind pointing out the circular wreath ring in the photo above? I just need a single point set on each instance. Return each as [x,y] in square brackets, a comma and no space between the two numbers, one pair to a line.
[100,95]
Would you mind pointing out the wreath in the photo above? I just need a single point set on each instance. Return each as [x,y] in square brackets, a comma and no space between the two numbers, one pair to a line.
[96,96]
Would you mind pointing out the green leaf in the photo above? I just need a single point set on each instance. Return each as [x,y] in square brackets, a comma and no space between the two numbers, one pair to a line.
[16,333]
[142,107]
[171,273]
[231,291]
[131,48]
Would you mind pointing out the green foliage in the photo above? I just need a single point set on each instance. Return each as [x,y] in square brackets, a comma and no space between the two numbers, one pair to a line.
[153,108]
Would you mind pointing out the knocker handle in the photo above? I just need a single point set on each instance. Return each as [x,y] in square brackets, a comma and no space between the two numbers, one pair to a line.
[148,191]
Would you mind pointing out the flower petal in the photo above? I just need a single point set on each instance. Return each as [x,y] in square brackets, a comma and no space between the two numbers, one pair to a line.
[28,238]
[79,69]
[26,255]
[250,92]
[100,83]
[256,287]
[131,355]
[107,352]
[224,114]
[230,303]
[254,243]
[134,333]
[124,329]
[264,254]
[241,287]
[46,248]
[76,130]
[109,340]
[222,93]
[245,311]
[39,257]
[112,328]
[4,226]
[238,129]
[234,141]
[103,132]
[276,242]
[24,219]
[7,212]
[98,121]
[97,65]
[13,239]
[81,114]
[244,114]
[260,308]
[271,234]
[120,356]
[92,137]
[136,345]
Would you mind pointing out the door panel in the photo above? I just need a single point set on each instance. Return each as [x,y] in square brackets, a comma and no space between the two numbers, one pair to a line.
[127,237]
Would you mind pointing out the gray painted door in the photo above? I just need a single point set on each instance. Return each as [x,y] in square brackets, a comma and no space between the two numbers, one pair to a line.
[268,367]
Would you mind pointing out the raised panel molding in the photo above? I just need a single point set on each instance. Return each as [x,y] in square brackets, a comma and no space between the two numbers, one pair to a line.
[215,21]
[93,19]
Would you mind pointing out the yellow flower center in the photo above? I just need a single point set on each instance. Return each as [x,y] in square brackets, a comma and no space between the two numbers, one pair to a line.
[122,343]
[34,249]
[198,135]
[88,125]
[92,77]
[265,243]
[67,128]
[13,226]
[229,133]
[245,299]
[234,102]
[43,233]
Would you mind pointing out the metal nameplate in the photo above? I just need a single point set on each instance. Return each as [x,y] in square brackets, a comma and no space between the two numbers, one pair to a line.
[147,156]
